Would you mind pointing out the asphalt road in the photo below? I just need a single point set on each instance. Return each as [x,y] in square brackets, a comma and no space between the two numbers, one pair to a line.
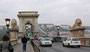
[57,47]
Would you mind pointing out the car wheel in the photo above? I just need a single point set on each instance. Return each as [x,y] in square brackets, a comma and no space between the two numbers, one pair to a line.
[50,45]
[68,45]
[63,45]
[40,45]
[52,41]
[78,45]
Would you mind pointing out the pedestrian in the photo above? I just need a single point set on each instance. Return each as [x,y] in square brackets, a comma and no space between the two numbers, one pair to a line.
[24,40]
[5,45]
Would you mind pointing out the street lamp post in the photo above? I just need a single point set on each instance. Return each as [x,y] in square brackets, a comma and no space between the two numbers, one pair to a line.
[7,24]
[26,29]
[58,30]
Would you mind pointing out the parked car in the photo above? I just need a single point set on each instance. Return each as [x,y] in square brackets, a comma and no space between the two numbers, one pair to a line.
[72,41]
[45,41]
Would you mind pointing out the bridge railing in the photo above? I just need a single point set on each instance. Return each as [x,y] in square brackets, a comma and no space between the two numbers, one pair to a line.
[85,41]
[35,47]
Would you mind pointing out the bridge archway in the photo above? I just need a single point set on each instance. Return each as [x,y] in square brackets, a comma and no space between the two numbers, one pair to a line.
[28,17]
[28,28]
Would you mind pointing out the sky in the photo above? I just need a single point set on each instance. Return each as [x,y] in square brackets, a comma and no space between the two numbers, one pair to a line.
[56,12]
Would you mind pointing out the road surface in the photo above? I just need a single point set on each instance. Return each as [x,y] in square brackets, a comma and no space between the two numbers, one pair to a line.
[57,47]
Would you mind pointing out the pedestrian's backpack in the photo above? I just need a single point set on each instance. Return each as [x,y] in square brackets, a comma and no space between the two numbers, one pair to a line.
[10,48]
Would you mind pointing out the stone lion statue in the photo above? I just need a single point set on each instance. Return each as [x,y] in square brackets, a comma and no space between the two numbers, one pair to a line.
[78,24]
[13,24]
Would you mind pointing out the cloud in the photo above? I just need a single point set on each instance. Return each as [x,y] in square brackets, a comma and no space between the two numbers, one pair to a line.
[51,11]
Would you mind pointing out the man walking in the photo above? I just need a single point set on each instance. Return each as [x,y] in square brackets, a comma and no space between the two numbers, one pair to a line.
[24,41]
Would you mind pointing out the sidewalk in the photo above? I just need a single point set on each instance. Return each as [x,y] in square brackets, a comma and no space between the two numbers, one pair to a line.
[18,48]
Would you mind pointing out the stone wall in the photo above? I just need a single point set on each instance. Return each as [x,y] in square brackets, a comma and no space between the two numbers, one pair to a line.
[85,41]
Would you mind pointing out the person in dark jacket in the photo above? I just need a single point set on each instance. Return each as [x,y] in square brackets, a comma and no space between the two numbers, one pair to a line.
[24,41]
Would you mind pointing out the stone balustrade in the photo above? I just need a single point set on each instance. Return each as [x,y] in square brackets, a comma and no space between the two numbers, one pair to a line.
[85,41]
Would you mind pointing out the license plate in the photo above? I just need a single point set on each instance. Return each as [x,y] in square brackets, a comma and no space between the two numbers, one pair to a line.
[46,42]
[76,42]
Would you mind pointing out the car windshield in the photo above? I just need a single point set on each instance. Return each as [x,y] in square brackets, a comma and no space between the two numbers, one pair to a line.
[76,39]
[63,38]
[68,39]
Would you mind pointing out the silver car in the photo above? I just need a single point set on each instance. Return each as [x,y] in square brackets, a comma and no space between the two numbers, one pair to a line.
[45,41]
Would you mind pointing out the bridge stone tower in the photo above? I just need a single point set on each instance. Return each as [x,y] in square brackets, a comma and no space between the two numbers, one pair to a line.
[28,17]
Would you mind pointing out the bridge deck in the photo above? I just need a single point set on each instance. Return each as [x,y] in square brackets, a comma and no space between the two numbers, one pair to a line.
[18,48]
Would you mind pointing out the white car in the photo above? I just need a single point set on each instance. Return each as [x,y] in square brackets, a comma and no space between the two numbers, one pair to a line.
[45,41]
[72,41]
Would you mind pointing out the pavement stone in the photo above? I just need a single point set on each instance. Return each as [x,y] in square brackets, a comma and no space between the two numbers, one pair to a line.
[18,48]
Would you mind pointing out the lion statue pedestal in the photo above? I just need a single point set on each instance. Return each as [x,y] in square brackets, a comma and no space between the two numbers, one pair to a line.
[13,30]
[77,29]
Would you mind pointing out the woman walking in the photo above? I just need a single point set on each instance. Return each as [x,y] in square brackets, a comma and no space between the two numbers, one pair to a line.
[5,45]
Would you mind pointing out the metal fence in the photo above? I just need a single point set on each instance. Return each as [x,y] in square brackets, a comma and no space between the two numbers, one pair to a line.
[35,47]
